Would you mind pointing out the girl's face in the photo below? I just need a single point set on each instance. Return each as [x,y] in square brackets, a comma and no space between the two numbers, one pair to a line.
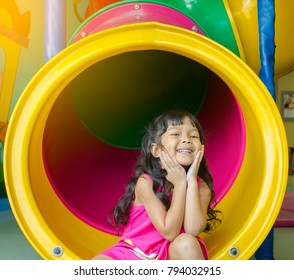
[182,142]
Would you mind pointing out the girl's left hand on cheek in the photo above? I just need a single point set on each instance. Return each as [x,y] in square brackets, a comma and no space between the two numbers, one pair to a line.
[193,170]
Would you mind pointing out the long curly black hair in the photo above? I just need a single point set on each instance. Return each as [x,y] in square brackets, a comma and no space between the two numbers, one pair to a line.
[147,163]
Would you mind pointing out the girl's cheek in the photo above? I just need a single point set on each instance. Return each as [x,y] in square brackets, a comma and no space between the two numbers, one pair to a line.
[199,147]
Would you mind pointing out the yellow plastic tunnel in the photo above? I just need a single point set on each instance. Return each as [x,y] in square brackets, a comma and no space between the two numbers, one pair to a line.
[74,136]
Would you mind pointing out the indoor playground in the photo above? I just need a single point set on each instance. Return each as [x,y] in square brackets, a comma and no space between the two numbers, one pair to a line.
[81,79]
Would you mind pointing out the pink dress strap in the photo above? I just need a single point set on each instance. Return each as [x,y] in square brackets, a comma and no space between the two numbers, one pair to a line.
[148,176]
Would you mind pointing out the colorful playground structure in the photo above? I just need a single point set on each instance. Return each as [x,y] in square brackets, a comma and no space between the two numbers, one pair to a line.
[74,134]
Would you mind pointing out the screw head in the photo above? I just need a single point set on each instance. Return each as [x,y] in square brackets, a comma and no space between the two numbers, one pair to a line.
[137,6]
[57,251]
[195,29]
[234,252]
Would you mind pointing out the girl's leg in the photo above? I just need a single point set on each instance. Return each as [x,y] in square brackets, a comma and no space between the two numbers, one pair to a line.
[101,257]
[185,247]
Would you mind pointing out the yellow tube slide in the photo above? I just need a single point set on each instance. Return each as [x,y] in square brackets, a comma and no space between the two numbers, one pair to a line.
[47,191]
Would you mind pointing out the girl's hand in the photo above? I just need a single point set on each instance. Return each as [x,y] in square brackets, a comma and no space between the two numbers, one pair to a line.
[176,174]
[193,170]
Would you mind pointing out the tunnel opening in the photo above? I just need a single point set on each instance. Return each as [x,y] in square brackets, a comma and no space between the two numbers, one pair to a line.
[93,132]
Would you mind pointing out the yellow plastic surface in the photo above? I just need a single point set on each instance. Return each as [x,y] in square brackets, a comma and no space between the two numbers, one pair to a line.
[244,19]
[14,29]
[250,207]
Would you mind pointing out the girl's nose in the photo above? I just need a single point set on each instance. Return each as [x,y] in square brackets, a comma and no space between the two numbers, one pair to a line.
[186,141]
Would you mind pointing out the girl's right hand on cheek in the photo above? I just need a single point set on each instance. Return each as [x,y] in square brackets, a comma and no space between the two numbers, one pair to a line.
[176,174]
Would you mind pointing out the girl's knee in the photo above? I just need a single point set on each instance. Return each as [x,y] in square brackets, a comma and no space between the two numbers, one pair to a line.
[185,246]
[185,241]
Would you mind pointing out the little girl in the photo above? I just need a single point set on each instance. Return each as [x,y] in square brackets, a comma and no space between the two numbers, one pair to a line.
[167,203]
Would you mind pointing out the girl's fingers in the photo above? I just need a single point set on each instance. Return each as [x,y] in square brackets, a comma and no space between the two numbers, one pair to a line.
[163,160]
[168,162]
[200,154]
[175,172]
[171,161]
[195,165]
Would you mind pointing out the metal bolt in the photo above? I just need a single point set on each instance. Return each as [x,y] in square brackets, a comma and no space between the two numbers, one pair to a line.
[83,34]
[137,7]
[57,251]
[195,29]
[234,252]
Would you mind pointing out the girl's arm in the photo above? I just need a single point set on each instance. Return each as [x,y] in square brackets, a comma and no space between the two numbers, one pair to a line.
[197,200]
[168,223]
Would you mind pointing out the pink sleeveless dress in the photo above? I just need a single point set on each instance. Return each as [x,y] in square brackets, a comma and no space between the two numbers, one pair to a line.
[141,240]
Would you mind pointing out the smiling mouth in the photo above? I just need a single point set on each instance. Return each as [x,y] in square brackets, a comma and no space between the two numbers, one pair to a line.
[184,151]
